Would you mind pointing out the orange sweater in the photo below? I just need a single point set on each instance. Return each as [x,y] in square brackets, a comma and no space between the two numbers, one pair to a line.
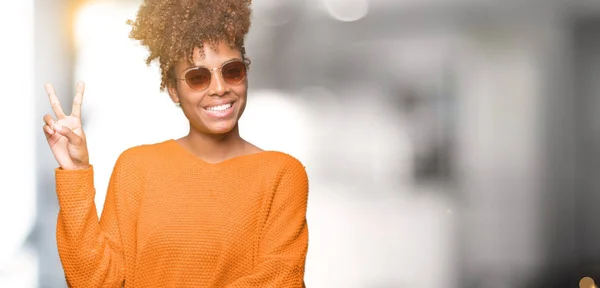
[173,220]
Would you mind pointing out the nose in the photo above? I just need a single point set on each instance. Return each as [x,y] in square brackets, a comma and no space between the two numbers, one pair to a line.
[217,86]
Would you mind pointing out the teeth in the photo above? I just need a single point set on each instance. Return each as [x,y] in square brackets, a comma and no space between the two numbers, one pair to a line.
[219,108]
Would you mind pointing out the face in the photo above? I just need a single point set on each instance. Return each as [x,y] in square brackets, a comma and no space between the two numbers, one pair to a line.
[217,108]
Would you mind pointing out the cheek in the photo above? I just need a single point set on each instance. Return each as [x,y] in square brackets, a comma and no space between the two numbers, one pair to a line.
[188,95]
[242,106]
[242,94]
[241,91]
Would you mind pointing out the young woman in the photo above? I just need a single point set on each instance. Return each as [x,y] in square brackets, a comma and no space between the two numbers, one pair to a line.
[205,210]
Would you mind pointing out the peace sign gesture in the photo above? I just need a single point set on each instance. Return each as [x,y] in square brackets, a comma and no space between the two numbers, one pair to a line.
[65,134]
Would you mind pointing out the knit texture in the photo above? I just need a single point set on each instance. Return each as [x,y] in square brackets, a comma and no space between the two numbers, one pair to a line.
[173,220]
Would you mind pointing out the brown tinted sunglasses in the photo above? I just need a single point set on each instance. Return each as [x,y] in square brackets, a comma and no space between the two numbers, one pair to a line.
[199,78]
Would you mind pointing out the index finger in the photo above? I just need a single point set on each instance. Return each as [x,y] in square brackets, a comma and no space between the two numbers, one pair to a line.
[54,101]
[76,111]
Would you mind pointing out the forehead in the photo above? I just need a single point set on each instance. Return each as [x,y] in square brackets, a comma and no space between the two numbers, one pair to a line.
[215,58]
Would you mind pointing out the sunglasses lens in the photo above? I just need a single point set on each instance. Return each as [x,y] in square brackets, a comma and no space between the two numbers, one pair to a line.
[234,72]
[198,78]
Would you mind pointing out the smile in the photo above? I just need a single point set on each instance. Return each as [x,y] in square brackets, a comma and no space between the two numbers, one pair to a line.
[219,108]
[220,111]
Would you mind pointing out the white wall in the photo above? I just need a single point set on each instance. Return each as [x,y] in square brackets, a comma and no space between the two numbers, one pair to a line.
[17,145]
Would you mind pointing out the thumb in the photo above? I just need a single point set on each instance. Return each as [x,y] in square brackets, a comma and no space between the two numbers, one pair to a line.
[73,138]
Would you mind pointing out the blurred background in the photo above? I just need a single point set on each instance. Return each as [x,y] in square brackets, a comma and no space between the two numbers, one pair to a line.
[449,143]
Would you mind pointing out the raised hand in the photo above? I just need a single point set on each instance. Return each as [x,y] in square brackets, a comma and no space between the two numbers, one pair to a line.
[65,134]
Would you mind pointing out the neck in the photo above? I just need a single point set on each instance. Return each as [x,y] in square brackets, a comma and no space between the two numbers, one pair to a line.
[215,147]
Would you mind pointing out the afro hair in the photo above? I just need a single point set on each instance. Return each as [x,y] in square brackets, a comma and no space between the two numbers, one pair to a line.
[171,29]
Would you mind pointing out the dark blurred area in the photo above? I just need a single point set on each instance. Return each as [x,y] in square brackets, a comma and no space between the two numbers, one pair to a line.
[449,143]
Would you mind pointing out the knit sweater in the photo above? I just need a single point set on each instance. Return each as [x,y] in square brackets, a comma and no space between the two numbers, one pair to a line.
[173,220]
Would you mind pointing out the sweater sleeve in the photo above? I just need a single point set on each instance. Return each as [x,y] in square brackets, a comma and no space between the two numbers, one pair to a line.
[284,239]
[91,251]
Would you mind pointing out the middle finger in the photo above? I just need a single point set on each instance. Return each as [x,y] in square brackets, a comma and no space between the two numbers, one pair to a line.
[58,111]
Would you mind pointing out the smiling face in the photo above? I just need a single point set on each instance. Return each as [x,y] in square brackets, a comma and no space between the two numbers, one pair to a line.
[216,108]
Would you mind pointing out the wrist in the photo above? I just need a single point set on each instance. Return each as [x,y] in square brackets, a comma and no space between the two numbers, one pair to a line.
[82,167]
[76,167]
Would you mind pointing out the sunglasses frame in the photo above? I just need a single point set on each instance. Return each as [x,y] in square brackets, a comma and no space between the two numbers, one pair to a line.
[244,61]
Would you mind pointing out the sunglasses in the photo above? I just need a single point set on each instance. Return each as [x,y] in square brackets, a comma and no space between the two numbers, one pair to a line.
[199,78]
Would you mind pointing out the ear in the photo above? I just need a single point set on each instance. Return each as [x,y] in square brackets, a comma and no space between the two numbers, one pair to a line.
[172,89]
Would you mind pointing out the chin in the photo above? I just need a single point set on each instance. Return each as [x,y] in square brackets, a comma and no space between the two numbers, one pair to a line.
[220,128]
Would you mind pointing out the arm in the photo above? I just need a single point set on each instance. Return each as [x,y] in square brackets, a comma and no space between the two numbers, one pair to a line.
[284,237]
[91,251]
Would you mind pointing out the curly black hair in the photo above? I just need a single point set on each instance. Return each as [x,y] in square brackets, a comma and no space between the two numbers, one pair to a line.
[171,29]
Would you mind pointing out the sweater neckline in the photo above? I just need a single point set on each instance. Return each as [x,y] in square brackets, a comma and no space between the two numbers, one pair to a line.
[188,154]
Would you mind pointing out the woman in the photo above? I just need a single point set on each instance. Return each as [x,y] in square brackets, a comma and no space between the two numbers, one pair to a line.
[206,210]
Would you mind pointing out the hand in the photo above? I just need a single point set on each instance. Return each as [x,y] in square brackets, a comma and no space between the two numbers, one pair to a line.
[65,135]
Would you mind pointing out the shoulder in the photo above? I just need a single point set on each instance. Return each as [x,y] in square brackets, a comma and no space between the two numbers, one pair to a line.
[289,176]
[285,166]
[282,160]
[142,154]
